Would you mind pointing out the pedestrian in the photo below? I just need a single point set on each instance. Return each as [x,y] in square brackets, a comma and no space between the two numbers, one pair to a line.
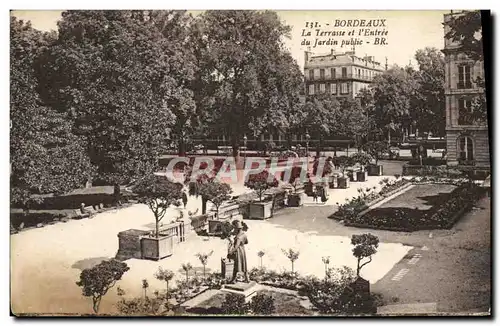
[184,199]
[315,195]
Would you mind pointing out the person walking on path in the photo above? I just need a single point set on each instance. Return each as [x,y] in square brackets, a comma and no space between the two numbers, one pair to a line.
[184,199]
[237,252]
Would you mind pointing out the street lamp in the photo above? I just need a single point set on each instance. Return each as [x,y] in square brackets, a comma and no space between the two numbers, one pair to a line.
[245,145]
[307,143]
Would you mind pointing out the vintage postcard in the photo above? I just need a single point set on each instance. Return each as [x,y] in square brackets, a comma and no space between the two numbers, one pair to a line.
[250,163]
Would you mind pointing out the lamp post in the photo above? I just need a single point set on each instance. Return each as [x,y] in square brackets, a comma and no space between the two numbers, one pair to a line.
[307,143]
[245,145]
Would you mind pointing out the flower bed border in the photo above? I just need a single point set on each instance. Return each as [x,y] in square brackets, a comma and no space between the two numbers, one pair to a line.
[452,221]
[376,200]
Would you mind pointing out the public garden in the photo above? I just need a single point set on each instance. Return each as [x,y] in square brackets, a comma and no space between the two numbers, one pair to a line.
[97,226]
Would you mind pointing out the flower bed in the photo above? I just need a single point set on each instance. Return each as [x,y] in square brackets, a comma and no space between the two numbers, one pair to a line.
[368,198]
[443,215]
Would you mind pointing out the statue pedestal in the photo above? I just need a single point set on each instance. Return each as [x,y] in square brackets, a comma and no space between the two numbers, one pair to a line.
[248,290]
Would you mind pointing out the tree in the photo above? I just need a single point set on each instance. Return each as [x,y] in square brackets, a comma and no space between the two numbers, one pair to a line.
[46,157]
[365,246]
[352,120]
[215,192]
[240,50]
[344,162]
[96,281]
[392,93]
[187,267]
[261,182]
[158,193]
[466,29]
[292,255]
[428,108]
[321,118]
[295,177]
[261,254]
[120,76]
[203,257]
[166,276]
[145,286]
[376,149]
[363,159]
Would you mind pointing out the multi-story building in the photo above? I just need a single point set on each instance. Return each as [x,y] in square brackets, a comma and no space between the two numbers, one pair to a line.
[467,141]
[340,74]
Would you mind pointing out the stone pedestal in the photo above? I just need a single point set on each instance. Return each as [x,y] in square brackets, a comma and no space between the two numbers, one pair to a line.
[248,290]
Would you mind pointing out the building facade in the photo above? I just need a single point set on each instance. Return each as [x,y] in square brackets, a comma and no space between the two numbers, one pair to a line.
[467,142]
[339,74]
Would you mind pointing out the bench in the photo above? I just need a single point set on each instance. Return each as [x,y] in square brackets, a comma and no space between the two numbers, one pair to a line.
[79,214]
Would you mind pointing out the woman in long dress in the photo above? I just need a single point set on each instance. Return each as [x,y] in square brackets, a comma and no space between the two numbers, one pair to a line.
[237,252]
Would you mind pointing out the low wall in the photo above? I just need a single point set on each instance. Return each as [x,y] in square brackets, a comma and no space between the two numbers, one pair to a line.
[129,244]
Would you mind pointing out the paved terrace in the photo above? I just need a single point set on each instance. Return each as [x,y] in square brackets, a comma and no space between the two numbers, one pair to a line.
[46,262]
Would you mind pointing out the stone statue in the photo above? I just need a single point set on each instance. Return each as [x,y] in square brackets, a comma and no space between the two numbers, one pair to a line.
[237,252]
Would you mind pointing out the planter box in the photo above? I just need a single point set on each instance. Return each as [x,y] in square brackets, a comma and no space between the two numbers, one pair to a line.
[214,226]
[295,200]
[362,176]
[375,170]
[333,182]
[129,244]
[260,210]
[157,248]
[353,177]
[343,182]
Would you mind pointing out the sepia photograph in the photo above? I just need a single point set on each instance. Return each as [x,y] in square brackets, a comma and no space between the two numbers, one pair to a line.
[250,163]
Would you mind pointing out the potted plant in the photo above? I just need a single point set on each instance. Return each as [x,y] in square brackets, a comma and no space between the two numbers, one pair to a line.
[158,193]
[295,199]
[217,193]
[363,159]
[260,183]
[343,162]
[376,149]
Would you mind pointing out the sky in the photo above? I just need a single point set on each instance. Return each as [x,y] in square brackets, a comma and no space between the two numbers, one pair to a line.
[407,31]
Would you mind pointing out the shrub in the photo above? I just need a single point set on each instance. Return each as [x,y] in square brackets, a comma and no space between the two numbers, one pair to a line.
[96,281]
[262,304]
[261,182]
[332,294]
[234,304]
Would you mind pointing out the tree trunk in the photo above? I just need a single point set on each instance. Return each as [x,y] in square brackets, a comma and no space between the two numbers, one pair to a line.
[157,222]
[292,267]
[96,302]
[358,268]
[203,205]
[389,137]
[236,147]
[116,194]
[182,147]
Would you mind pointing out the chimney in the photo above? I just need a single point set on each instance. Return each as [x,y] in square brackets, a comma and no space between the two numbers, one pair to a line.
[332,51]
[306,55]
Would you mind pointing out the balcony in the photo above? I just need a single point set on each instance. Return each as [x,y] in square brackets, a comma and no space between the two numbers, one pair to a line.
[342,77]
[466,85]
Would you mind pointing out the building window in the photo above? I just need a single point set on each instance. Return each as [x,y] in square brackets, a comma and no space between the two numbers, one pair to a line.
[465,116]
[322,88]
[333,89]
[322,74]
[464,77]
[311,89]
[343,88]
[344,72]
[332,72]
[327,88]
[316,88]
[465,150]
[311,74]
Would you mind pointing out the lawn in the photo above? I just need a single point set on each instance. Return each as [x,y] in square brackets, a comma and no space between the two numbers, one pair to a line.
[422,207]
